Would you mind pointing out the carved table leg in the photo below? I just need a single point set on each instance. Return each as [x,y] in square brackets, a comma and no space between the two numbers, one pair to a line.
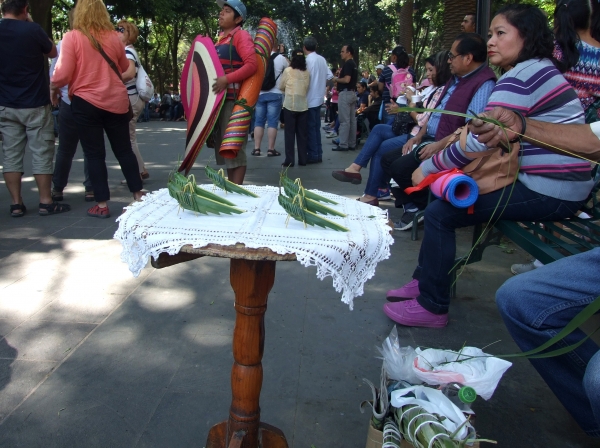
[251,281]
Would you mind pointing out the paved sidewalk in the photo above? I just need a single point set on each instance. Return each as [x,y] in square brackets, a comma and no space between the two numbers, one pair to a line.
[92,357]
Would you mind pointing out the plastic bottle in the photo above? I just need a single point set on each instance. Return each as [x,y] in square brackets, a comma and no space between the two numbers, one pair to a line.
[461,396]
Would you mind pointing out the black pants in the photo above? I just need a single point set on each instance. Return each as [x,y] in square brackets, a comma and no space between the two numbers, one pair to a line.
[92,122]
[296,130]
[400,168]
[333,112]
[67,145]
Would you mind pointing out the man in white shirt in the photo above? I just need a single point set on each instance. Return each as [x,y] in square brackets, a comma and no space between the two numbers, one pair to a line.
[319,74]
[268,108]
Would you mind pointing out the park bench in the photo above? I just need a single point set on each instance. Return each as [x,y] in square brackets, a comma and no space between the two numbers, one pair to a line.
[546,241]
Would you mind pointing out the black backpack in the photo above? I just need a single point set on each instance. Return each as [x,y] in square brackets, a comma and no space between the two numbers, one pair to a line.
[270,79]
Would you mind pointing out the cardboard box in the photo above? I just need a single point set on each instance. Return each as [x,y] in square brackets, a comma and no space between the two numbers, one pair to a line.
[375,440]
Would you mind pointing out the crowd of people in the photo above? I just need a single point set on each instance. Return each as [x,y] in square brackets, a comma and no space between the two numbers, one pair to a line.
[549,88]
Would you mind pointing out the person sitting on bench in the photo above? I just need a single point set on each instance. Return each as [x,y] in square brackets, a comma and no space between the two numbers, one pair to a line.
[549,186]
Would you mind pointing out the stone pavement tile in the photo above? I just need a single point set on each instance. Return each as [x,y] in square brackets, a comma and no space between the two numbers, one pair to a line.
[183,419]
[105,393]
[73,306]
[18,303]
[45,340]
[327,422]
[17,378]
[339,350]
[7,325]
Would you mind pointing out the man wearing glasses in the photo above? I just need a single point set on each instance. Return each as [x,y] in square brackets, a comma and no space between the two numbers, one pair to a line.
[467,90]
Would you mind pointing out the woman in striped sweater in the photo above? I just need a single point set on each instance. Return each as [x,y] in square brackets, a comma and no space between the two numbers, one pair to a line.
[549,186]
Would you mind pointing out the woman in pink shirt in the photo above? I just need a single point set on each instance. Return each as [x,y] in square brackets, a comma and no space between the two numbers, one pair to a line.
[99,99]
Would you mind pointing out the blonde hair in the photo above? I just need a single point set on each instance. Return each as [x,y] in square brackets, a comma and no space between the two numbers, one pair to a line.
[131,29]
[92,19]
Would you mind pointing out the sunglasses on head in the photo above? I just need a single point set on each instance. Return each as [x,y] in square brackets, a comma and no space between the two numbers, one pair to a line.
[120,29]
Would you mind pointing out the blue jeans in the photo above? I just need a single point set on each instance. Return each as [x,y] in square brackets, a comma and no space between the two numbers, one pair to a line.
[438,248]
[268,108]
[381,140]
[537,305]
[314,147]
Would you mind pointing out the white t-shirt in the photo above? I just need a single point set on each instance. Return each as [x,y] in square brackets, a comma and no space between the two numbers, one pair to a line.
[133,56]
[64,90]
[319,74]
[280,63]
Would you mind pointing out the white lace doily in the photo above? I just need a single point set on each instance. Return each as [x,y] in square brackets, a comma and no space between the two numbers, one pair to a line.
[157,225]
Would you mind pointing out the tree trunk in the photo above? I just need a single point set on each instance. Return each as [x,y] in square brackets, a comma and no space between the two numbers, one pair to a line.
[174,55]
[41,12]
[406,25]
[454,13]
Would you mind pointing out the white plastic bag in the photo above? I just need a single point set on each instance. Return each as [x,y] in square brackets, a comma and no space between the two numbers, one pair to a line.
[476,369]
[398,361]
[434,402]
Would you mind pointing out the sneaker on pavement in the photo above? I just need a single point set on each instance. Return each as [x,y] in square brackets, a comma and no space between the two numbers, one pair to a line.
[408,291]
[384,194]
[411,314]
[335,141]
[517,269]
[98,212]
[406,222]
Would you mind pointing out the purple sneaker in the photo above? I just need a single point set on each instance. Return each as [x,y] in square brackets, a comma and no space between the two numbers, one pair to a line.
[411,314]
[408,291]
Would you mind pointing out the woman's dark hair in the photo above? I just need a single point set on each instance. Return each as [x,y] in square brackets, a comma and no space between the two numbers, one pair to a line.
[595,24]
[442,68]
[401,57]
[570,16]
[532,24]
[374,88]
[363,84]
[298,60]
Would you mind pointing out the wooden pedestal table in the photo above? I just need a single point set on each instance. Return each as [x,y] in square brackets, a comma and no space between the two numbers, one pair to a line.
[252,274]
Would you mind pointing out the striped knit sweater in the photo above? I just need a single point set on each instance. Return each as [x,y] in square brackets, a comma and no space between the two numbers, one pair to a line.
[537,89]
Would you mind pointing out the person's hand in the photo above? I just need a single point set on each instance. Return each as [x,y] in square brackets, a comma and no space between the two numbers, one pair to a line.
[409,94]
[408,146]
[492,135]
[418,176]
[430,150]
[54,95]
[391,108]
[220,84]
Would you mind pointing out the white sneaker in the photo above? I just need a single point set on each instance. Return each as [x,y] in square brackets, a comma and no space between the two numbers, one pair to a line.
[517,269]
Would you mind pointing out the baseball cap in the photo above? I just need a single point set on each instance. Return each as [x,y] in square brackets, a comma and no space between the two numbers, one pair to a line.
[380,67]
[234,4]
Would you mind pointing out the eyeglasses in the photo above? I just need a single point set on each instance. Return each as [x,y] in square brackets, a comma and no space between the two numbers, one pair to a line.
[452,56]
[120,29]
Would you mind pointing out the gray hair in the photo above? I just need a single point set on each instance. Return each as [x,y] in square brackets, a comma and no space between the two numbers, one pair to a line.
[310,43]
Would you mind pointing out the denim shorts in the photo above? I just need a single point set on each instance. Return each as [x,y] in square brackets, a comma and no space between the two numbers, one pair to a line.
[27,128]
[268,108]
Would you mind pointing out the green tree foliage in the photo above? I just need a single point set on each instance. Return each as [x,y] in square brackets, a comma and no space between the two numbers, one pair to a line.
[167,27]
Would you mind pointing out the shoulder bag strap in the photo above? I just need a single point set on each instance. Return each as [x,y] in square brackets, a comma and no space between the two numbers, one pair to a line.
[98,47]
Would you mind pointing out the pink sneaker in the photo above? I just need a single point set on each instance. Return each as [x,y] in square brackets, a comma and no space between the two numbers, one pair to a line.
[411,314]
[408,291]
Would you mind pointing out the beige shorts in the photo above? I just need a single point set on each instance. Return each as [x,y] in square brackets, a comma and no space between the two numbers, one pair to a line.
[32,128]
[222,121]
